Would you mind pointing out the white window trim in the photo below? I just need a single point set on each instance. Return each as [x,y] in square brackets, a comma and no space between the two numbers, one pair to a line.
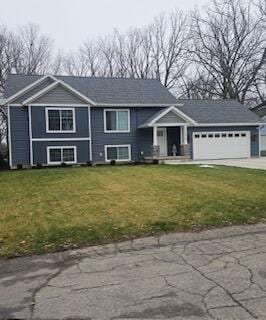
[61,147]
[30,135]
[61,139]
[60,131]
[9,136]
[116,131]
[116,146]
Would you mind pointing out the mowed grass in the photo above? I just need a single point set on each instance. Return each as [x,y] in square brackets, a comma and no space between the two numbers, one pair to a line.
[52,209]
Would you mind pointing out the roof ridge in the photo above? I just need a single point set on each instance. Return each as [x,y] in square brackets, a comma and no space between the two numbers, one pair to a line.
[82,77]
[220,99]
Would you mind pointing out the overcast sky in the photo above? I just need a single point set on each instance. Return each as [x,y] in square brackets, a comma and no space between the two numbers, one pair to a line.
[70,22]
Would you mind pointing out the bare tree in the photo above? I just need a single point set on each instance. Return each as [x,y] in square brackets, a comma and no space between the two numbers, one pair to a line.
[171,40]
[73,64]
[7,50]
[120,54]
[262,7]
[136,61]
[25,51]
[196,85]
[229,44]
[107,53]
[258,95]
[56,66]
[33,51]
[89,54]
[155,51]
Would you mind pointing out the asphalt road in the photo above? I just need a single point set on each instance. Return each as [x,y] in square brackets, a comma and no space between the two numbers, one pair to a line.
[215,274]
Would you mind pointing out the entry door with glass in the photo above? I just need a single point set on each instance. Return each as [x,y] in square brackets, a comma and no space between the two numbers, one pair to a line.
[162,141]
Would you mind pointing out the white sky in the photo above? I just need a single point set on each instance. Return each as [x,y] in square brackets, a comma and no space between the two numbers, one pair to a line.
[70,22]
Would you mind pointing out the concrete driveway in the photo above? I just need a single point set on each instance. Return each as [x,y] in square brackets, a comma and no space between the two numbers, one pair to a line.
[216,274]
[252,163]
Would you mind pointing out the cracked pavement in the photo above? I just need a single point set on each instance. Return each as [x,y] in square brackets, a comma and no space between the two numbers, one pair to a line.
[214,274]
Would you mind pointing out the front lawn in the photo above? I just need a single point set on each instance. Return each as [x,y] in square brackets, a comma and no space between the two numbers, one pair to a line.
[46,210]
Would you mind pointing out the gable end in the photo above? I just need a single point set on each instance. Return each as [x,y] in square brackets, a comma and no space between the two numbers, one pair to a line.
[171,117]
[58,95]
[44,84]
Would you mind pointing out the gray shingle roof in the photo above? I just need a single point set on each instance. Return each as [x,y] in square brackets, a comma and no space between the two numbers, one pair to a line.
[218,111]
[137,91]
[213,112]
[104,90]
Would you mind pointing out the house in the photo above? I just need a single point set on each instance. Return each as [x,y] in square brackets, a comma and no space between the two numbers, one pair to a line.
[55,119]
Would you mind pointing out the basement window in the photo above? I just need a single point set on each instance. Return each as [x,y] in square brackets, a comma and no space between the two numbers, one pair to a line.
[118,152]
[64,154]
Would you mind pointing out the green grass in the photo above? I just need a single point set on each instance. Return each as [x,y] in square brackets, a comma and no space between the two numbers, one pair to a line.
[50,209]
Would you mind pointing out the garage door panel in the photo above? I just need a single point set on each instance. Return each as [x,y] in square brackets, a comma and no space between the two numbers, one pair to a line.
[221,145]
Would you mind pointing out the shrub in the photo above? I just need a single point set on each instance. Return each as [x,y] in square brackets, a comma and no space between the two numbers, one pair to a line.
[112,162]
[4,164]
[19,166]
[63,164]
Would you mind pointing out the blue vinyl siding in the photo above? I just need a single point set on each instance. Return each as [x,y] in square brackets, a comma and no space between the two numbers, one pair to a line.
[145,142]
[19,129]
[139,139]
[40,150]
[39,124]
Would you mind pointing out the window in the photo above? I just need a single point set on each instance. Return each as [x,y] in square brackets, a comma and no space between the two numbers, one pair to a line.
[118,153]
[236,135]
[217,135]
[57,155]
[60,120]
[204,135]
[230,135]
[223,135]
[243,134]
[116,120]
[210,135]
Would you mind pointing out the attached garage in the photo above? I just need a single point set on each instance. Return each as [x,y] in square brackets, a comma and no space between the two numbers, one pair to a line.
[221,145]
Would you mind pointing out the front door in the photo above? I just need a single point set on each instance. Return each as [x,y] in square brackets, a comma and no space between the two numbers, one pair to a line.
[162,141]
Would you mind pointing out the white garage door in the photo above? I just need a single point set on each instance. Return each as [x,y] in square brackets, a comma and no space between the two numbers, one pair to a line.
[221,145]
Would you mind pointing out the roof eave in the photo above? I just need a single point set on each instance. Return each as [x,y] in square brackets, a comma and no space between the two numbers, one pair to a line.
[231,124]
[27,89]
[98,104]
